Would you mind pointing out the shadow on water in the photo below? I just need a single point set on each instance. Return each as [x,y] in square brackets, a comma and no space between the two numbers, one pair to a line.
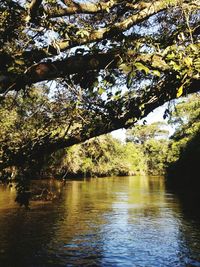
[189,199]
[126,221]
[25,233]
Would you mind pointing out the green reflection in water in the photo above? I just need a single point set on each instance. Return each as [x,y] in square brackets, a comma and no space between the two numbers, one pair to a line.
[118,221]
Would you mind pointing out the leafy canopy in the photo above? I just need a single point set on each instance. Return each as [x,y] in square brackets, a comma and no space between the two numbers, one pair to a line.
[100,66]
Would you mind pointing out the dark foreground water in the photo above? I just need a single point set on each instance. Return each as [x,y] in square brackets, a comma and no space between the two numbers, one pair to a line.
[130,221]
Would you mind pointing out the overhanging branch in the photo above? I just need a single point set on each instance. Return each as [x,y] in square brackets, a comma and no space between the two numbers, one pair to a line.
[80,64]
[100,34]
[80,8]
[33,9]
[138,107]
[112,30]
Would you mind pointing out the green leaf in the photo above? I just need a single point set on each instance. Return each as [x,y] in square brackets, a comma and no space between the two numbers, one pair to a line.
[139,66]
[101,91]
[175,66]
[188,61]
[83,33]
[142,107]
[194,47]
[129,80]
[116,97]
[166,51]
[171,56]
[125,68]
[19,62]
[11,69]
[156,73]
[180,91]
[197,64]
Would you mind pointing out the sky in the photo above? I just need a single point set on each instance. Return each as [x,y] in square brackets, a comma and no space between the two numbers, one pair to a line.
[154,116]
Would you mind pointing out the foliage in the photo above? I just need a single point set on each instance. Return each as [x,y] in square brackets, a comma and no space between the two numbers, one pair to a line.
[156,152]
[172,156]
[186,110]
[110,63]
[147,150]
[184,171]
[152,142]
[23,119]
[184,153]
[136,158]
[100,156]
[185,118]
[141,133]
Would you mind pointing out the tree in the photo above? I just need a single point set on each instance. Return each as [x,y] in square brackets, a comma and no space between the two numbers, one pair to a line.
[141,133]
[111,63]
[184,171]
[184,149]
[153,142]
[156,152]
[186,117]
[100,156]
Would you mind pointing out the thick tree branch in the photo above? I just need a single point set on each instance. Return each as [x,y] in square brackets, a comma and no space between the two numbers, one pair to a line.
[100,34]
[33,9]
[138,107]
[92,8]
[75,64]
[113,30]
[80,8]
[79,64]
[61,68]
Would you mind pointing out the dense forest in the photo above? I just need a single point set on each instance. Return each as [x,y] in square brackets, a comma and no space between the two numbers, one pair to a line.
[182,169]
[148,150]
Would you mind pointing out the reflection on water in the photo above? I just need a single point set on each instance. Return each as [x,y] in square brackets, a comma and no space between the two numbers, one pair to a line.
[131,221]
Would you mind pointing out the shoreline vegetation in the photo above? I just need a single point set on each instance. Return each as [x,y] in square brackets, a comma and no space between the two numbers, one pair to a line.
[147,151]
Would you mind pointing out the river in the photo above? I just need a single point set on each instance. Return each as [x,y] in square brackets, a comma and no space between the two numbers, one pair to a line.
[117,221]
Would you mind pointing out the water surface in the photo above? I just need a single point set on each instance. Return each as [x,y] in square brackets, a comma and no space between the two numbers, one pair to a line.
[118,221]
